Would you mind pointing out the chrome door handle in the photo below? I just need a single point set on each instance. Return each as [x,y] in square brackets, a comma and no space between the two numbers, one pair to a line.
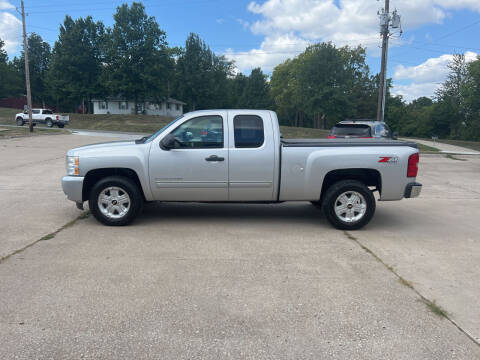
[214,158]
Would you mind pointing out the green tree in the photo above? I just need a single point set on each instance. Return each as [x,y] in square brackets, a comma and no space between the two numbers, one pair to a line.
[236,89]
[3,70]
[39,56]
[138,62]
[76,64]
[202,76]
[256,92]
[453,97]
[11,81]
[323,85]
[285,91]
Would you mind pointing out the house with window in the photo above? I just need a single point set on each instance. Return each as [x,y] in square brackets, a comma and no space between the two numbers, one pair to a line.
[168,107]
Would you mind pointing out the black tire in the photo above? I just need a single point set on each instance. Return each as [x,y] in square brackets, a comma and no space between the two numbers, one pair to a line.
[330,201]
[20,121]
[60,125]
[128,186]
[49,122]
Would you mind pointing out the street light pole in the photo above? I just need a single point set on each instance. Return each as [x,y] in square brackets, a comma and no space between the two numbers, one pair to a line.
[382,85]
[27,71]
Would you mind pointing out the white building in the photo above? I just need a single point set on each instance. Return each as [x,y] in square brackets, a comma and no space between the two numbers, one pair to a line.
[168,107]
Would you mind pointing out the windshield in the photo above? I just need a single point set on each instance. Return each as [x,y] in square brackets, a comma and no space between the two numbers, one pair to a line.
[153,136]
[351,130]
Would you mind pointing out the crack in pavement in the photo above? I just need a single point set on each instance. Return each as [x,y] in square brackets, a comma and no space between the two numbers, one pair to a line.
[409,285]
[49,236]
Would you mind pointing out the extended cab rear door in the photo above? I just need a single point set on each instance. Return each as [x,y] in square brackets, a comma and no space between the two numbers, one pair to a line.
[252,152]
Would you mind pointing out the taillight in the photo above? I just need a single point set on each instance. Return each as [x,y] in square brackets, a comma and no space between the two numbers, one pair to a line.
[331,137]
[412,169]
[56,117]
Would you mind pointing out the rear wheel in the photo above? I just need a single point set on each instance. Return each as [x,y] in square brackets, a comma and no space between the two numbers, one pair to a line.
[349,205]
[49,122]
[60,125]
[20,121]
[115,201]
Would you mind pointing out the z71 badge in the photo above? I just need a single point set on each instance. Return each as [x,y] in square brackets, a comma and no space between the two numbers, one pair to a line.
[388,159]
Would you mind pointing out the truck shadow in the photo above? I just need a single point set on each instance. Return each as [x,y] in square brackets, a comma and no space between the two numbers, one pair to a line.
[294,212]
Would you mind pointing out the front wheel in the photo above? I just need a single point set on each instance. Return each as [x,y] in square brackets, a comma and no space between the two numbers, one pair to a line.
[49,122]
[20,121]
[349,205]
[115,201]
[60,125]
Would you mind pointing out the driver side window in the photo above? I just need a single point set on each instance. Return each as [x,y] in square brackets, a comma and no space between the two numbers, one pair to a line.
[204,132]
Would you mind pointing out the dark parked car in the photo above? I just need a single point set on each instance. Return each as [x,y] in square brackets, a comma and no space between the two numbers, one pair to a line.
[361,129]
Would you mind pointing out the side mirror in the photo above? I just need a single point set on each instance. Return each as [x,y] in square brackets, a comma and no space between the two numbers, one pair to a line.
[395,135]
[168,142]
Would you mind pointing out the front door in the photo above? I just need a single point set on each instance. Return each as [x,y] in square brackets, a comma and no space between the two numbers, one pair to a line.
[197,168]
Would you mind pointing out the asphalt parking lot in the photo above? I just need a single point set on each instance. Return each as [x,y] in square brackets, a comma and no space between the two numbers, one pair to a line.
[207,281]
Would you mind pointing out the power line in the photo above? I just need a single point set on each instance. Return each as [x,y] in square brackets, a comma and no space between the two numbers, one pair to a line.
[459,30]
[112,9]
[446,35]
[117,3]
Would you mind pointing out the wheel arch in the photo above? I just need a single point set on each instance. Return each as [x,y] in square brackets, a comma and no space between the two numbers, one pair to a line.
[370,177]
[93,176]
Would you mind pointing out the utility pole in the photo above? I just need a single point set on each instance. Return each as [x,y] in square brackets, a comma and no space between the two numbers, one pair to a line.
[27,71]
[386,22]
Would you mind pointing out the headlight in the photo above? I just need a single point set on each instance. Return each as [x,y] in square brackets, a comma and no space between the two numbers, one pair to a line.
[72,165]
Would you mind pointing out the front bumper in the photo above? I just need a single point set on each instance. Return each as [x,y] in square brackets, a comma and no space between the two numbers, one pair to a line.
[412,190]
[72,187]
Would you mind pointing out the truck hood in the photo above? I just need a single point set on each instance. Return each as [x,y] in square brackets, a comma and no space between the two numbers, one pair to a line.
[104,146]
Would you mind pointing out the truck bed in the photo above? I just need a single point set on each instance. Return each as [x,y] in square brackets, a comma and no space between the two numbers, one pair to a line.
[345,142]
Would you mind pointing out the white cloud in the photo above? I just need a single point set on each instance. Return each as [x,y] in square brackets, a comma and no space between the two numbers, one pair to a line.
[220,21]
[5,5]
[10,31]
[344,22]
[245,24]
[272,51]
[414,90]
[426,77]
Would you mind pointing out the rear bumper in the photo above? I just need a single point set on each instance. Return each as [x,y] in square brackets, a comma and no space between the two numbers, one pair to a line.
[412,190]
[72,187]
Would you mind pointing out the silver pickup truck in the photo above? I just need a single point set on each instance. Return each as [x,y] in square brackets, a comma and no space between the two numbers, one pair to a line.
[240,156]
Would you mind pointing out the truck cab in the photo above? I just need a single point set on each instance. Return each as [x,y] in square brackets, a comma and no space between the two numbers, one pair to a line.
[216,156]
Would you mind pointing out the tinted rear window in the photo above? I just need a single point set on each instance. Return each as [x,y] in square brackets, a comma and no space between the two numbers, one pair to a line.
[248,131]
[351,130]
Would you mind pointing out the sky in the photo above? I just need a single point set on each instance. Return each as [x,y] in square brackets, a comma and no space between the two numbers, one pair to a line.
[264,33]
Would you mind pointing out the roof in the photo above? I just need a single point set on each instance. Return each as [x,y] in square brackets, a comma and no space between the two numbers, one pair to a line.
[238,110]
[118,98]
[369,122]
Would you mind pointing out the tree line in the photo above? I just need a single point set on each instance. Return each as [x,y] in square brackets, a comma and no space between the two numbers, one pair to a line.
[317,88]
